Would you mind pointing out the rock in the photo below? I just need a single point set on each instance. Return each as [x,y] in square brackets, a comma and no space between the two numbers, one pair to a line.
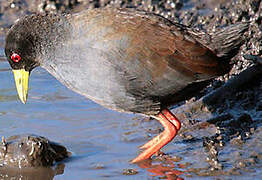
[30,151]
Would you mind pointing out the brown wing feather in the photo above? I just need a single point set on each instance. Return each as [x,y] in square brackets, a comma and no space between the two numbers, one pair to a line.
[158,40]
[166,44]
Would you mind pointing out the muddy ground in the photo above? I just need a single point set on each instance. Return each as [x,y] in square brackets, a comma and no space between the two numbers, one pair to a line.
[229,125]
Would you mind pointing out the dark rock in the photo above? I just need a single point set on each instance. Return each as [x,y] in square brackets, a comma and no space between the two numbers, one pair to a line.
[30,151]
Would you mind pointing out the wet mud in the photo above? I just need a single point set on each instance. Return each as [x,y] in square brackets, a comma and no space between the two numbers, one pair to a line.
[221,131]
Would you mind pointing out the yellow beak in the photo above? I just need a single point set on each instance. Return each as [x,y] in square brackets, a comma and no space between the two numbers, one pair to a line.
[21,80]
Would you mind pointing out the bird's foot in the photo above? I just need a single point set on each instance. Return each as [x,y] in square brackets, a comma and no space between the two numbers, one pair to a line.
[171,125]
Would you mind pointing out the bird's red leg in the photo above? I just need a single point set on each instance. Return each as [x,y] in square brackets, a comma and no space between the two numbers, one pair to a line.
[170,131]
[151,142]
[172,118]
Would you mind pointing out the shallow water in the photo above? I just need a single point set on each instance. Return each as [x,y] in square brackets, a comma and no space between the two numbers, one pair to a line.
[102,141]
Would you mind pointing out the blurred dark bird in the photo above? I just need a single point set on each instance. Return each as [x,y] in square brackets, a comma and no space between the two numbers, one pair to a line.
[123,59]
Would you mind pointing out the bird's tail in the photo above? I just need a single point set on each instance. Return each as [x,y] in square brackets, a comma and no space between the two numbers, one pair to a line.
[227,41]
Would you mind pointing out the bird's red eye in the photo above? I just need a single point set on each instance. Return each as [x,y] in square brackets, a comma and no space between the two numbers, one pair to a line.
[15,57]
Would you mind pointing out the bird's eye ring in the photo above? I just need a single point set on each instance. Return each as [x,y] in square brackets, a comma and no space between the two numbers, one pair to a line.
[15,57]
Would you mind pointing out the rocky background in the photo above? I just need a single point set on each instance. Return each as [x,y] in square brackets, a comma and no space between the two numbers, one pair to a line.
[236,114]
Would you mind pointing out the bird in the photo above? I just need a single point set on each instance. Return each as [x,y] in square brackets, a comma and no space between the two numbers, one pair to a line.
[124,59]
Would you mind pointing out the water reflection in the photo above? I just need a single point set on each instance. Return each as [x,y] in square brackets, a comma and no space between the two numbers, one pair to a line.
[165,169]
[32,173]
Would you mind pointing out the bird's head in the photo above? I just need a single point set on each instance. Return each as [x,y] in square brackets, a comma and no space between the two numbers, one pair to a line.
[28,41]
[21,54]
